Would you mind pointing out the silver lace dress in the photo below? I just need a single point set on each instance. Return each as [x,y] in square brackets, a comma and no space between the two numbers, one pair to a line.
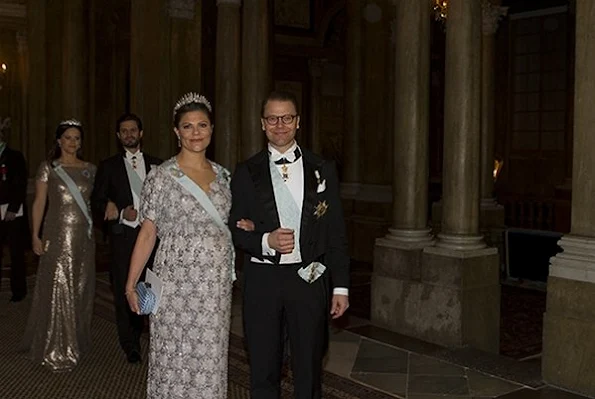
[190,332]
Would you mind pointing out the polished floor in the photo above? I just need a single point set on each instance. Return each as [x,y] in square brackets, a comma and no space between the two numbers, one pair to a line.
[411,369]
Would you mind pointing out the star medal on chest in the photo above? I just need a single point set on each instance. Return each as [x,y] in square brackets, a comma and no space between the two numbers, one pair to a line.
[321,209]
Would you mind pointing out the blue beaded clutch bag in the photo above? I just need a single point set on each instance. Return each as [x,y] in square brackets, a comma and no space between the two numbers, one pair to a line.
[146,298]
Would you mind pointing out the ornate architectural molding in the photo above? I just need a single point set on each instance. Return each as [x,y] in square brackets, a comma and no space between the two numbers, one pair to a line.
[230,2]
[184,9]
[490,16]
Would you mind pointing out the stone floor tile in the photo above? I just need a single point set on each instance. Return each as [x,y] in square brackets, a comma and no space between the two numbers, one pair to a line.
[373,357]
[341,357]
[543,393]
[394,383]
[429,366]
[433,384]
[484,385]
[395,339]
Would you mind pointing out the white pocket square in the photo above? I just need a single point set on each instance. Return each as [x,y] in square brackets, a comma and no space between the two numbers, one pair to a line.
[321,187]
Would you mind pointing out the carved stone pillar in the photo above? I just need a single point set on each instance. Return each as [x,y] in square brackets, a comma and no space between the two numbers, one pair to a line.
[227,85]
[256,72]
[353,94]
[569,321]
[460,270]
[460,198]
[411,128]
[315,69]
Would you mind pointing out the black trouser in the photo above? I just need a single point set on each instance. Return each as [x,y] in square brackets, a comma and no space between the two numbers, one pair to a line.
[130,325]
[274,297]
[14,234]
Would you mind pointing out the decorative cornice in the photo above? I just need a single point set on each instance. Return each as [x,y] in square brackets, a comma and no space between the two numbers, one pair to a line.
[490,16]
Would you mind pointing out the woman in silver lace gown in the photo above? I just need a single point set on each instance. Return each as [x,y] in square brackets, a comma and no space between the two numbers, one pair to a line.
[190,330]
[58,330]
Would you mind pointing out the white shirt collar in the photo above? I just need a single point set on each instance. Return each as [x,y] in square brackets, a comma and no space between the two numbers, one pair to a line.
[129,155]
[275,155]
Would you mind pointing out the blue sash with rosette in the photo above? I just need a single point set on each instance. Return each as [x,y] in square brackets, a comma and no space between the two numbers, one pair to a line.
[76,194]
[208,206]
[136,184]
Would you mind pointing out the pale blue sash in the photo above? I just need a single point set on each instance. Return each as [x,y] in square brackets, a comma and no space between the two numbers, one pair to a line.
[290,215]
[208,206]
[136,184]
[76,194]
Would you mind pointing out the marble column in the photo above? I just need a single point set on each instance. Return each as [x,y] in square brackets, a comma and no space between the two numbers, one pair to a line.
[256,72]
[74,88]
[460,275]
[460,191]
[411,127]
[353,95]
[227,85]
[569,321]
[316,140]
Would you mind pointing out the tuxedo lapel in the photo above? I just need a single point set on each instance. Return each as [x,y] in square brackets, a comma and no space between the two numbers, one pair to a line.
[124,183]
[261,176]
[147,164]
[310,185]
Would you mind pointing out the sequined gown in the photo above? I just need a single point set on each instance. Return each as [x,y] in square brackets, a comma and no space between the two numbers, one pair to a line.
[58,330]
[190,332]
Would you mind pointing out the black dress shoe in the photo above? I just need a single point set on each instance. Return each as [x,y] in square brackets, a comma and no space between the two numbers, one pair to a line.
[17,298]
[133,357]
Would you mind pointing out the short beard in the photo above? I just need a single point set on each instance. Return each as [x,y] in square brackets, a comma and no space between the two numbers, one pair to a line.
[135,144]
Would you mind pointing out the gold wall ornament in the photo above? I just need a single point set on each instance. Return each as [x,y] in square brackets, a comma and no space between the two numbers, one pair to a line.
[440,9]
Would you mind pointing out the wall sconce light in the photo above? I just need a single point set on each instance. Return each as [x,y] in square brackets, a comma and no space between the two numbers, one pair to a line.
[3,70]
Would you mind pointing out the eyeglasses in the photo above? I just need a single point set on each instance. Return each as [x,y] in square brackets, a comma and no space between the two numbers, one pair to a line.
[274,120]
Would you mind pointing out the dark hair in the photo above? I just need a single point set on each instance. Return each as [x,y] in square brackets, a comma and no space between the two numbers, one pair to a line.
[280,96]
[193,106]
[56,151]
[129,117]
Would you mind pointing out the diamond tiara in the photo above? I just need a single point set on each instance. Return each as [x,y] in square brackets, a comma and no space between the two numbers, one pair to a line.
[71,122]
[190,98]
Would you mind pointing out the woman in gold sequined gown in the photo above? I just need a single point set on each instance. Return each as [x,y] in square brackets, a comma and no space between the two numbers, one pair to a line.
[58,330]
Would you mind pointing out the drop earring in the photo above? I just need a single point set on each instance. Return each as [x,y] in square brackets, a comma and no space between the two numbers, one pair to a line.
[179,142]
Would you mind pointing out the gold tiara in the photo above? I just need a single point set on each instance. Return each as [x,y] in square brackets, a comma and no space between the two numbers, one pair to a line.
[190,98]
[71,122]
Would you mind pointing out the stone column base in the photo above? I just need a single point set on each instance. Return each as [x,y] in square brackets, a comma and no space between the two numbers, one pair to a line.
[451,298]
[568,331]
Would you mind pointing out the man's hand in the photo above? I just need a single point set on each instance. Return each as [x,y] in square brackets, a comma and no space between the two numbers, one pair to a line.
[282,240]
[245,224]
[130,213]
[10,216]
[339,305]
[111,211]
